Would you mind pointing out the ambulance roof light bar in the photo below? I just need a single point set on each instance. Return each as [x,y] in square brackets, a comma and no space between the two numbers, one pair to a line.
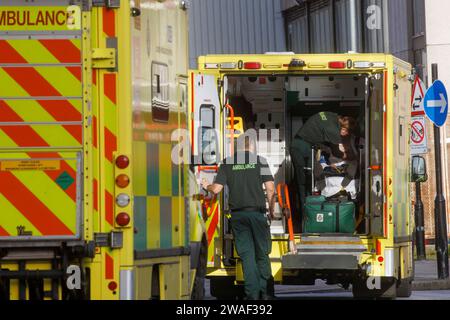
[368,64]
[280,53]
[337,65]
[252,65]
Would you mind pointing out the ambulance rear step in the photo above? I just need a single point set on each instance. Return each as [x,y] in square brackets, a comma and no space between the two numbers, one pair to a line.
[320,244]
[326,253]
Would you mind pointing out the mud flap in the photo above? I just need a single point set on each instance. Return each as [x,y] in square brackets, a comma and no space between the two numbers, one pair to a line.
[375,288]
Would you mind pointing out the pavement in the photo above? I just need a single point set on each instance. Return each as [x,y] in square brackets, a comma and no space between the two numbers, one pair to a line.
[426,277]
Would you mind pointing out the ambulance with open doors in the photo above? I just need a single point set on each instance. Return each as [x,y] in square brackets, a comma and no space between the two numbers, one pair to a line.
[274,94]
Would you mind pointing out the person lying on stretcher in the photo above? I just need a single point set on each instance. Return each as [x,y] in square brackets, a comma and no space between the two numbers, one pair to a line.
[328,166]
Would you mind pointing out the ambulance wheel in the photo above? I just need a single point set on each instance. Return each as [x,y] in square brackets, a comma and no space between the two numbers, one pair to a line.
[198,291]
[404,288]
[4,289]
[223,288]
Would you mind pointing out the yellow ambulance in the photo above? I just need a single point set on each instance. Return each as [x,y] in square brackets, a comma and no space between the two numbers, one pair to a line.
[92,205]
[274,94]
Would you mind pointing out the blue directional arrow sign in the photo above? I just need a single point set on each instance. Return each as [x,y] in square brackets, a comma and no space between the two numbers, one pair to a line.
[436,103]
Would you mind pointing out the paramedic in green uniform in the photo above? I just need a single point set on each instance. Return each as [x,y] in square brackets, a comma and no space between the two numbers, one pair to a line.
[325,130]
[245,174]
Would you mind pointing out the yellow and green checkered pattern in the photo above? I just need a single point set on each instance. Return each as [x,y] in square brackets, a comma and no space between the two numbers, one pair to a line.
[159,203]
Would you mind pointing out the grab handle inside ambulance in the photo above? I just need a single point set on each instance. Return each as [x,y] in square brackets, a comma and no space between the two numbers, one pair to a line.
[231,112]
[286,205]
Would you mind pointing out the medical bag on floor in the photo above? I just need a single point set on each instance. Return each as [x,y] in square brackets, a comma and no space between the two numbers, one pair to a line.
[333,216]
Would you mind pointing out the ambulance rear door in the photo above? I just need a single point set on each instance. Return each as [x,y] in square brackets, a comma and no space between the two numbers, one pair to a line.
[205,143]
[42,116]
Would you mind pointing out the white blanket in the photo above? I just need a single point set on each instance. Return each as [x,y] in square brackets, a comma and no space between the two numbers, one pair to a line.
[334,185]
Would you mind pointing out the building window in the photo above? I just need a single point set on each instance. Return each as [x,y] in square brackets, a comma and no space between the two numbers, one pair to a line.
[419,17]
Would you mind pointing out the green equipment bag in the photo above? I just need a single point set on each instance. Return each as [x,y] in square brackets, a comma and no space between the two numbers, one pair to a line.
[322,216]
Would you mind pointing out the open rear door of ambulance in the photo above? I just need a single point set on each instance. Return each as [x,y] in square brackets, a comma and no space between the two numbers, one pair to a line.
[376,155]
[206,146]
[41,122]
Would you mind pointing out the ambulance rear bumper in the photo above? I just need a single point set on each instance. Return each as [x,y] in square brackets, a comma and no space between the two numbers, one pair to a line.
[320,262]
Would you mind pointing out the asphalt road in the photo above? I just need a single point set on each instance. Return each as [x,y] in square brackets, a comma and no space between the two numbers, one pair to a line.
[347,295]
[321,291]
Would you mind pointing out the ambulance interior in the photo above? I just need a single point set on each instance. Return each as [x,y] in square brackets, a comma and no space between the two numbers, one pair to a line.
[285,103]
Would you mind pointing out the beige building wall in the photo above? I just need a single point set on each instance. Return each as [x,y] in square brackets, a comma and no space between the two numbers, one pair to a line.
[438,51]
[437,27]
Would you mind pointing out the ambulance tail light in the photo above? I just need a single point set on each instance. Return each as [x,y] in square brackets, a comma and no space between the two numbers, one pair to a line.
[123,219]
[112,286]
[122,181]
[337,65]
[252,65]
[379,252]
[122,162]
[123,200]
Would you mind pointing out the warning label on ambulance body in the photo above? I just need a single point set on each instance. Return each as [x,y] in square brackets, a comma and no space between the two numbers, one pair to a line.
[27,165]
[39,18]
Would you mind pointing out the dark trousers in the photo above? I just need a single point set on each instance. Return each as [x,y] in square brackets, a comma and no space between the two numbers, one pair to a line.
[253,244]
[301,157]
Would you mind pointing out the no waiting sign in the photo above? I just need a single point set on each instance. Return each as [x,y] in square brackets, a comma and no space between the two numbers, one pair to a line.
[419,143]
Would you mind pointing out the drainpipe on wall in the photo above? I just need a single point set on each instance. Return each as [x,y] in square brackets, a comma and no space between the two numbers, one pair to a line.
[386,26]
[353,27]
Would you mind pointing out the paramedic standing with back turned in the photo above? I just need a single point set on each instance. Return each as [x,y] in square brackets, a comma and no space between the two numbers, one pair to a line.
[245,174]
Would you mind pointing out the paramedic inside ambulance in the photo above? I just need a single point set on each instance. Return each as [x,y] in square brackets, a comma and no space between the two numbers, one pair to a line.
[327,131]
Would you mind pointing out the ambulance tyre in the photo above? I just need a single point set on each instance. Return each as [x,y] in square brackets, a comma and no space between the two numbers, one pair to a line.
[198,291]
[223,288]
[404,288]
[388,289]
[4,289]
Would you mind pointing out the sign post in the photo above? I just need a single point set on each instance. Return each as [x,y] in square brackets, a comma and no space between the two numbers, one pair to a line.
[436,109]
[419,146]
